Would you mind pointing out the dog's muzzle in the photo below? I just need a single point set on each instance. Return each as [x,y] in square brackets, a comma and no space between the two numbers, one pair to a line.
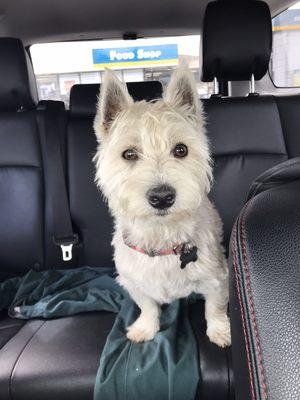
[161,197]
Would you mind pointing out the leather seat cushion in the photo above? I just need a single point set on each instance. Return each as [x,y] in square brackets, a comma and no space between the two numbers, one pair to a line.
[54,359]
[8,328]
[57,359]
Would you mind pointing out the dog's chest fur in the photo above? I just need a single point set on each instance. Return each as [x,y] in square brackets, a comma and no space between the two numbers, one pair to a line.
[161,277]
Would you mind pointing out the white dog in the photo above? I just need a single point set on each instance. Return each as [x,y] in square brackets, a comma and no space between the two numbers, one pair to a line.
[153,167]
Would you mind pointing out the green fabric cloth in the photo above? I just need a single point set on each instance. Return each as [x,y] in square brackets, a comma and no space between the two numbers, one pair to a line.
[165,368]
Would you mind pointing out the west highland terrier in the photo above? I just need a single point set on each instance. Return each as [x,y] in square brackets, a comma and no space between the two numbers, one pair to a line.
[153,166]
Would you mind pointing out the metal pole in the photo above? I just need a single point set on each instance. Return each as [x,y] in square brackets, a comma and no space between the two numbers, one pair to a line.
[229,88]
[252,84]
[216,86]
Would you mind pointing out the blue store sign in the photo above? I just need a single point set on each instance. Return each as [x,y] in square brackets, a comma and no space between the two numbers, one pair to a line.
[136,56]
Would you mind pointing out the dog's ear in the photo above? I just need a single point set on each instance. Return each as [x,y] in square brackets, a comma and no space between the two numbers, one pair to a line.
[113,99]
[182,91]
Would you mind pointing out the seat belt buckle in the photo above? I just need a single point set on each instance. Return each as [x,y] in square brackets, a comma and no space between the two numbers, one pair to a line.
[67,251]
[66,245]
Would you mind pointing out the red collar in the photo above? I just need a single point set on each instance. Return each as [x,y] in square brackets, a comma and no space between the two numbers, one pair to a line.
[177,249]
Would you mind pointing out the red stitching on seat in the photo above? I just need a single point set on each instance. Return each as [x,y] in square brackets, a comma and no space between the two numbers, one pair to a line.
[251,303]
[237,282]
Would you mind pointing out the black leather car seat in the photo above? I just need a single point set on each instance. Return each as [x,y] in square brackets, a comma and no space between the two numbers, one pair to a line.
[264,287]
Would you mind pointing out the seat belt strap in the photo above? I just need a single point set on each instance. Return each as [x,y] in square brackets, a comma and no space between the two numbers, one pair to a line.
[53,124]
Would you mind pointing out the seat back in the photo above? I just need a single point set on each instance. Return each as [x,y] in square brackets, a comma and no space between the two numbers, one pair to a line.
[26,232]
[21,167]
[246,139]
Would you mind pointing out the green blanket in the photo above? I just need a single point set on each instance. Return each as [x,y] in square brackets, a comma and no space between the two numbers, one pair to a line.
[165,368]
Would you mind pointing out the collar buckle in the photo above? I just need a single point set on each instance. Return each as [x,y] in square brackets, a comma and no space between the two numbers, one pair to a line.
[178,248]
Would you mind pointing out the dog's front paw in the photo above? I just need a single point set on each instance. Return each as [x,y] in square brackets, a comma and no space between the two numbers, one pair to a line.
[218,331]
[142,331]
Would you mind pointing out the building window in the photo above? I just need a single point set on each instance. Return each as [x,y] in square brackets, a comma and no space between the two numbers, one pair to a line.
[285,61]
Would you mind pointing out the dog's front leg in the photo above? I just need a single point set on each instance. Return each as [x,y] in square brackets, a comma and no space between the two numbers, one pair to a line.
[218,326]
[147,324]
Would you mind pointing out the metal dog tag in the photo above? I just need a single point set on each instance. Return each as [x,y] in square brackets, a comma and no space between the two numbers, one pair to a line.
[188,254]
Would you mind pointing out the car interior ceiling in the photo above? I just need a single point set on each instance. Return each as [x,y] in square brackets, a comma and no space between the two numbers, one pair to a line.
[248,135]
[55,20]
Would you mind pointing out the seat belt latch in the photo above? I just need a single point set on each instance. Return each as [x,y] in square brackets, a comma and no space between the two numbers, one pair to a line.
[67,251]
[66,246]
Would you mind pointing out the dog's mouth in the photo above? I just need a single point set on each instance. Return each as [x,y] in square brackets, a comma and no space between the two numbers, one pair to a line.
[161,213]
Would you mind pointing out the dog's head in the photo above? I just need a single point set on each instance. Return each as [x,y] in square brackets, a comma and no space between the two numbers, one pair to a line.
[153,159]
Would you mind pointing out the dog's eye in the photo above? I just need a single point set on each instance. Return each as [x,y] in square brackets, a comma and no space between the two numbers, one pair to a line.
[180,150]
[130,154]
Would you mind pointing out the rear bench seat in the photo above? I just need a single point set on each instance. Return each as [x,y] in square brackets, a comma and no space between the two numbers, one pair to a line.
[59,358]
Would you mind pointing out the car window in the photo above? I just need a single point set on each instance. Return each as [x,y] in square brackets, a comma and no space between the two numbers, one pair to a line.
[285,62]
[58,66]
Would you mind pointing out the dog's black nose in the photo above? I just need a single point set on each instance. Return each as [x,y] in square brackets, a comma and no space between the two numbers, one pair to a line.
[161,197]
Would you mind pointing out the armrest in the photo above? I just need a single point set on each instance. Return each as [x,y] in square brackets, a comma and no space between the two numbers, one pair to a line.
[264,295]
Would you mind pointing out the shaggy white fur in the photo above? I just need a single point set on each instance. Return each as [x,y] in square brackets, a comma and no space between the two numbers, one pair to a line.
[153,130]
